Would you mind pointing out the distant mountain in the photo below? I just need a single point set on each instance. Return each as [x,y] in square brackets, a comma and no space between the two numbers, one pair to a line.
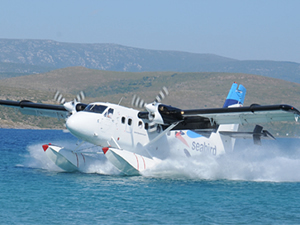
[19,57]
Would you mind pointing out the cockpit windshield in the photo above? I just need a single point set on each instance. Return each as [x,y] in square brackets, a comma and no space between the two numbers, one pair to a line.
[95,108]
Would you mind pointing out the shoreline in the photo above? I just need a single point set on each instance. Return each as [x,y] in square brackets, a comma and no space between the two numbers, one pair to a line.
[5,124]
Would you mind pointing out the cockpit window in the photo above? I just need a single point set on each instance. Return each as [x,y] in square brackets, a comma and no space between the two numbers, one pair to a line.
[109,113]
[95,108]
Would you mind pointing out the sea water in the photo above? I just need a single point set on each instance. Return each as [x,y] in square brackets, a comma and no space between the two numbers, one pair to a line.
[252,185]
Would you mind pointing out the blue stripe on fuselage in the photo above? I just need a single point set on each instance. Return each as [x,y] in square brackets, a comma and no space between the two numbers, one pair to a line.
[192,134]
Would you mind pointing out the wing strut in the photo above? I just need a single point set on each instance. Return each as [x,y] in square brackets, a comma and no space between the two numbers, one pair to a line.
[162,133]
[116,145]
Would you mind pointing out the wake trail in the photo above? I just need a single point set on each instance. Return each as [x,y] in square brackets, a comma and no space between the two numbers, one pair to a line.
[271,162]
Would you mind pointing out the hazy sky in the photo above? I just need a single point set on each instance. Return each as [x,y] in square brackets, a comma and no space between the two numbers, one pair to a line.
[239,29]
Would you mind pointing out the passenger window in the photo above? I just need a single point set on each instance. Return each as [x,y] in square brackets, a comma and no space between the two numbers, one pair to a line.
[146,126]
[129,122]
[140,124]
[123,120]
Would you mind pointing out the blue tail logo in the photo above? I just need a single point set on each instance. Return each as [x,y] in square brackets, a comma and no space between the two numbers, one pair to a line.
[236,95]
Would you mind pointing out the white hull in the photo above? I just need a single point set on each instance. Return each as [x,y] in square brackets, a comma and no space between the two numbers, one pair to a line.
[64,158]
[128,162]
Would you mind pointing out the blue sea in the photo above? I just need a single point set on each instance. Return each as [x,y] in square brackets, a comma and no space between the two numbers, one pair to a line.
[252,185]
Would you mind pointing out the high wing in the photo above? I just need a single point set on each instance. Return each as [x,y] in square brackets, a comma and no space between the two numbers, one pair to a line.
[232,112]
[246,115]
[210,118]
[37,109]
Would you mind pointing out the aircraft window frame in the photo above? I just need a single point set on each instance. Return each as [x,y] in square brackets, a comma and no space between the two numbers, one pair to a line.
[95,108]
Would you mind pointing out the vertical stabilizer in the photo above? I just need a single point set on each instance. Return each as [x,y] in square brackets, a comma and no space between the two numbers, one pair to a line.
[235,96]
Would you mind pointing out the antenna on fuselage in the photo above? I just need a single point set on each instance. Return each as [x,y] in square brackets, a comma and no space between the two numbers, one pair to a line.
[120,101]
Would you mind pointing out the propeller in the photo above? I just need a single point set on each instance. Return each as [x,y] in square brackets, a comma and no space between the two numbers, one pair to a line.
[162,95]
[72,106]
[140,103]
[58,97]
[152,114]
[79,97]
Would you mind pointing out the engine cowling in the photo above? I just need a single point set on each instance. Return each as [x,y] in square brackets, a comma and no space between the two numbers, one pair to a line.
[74,107]
[80,106]
[161,114]
[169,114]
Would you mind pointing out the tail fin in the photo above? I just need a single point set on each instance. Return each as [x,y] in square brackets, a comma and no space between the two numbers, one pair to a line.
[236,95]
[235,98]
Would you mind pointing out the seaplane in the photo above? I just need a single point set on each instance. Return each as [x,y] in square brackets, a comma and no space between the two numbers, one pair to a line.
[139,138]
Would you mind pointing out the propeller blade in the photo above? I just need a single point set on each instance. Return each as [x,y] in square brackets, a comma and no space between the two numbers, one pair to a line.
[137,102]
[162,95]
[59,98]
[80,96]
[133,100]
[140,103]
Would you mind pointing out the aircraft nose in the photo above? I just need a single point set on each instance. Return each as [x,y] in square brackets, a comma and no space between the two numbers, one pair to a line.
[86,127]
[75,124]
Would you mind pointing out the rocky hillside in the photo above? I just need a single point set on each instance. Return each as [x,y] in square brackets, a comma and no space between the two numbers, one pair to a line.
[187,90]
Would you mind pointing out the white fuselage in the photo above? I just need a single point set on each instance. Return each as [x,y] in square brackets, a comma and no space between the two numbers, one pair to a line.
[107,124]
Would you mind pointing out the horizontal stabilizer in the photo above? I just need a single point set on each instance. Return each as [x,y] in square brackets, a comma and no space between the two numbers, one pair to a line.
[257,134]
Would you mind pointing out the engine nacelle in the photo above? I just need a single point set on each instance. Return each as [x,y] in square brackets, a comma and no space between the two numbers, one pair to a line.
[80,106]
[74,107]
[161,114]
[153,114]
[170,114]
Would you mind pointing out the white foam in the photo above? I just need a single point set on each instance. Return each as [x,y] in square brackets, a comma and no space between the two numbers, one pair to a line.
[265,163]
[38,159]
[98,165]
